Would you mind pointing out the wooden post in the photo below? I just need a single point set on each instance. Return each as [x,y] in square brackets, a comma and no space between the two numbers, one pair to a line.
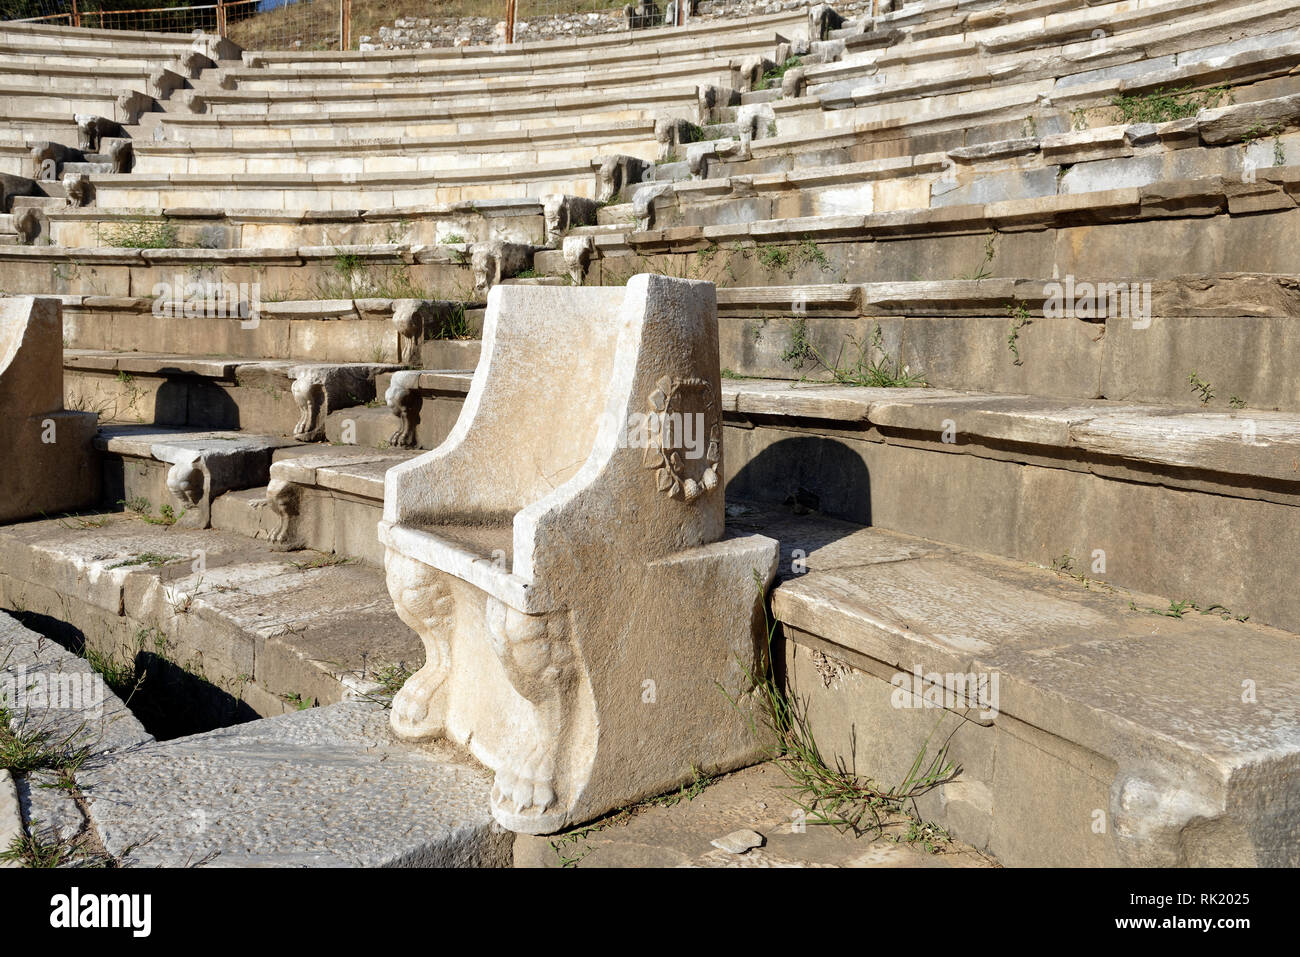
[345,24]
[510,21]
[76,14]
[221,18]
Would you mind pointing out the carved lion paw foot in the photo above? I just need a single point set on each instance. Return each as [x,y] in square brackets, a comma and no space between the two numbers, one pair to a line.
[529,787]
[414,716]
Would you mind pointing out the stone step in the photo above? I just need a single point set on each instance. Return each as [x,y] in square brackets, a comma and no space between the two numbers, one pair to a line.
[1132,225]
[963,112]
[184,470]
[49,691]
[322,191]
[510,220]
[322,330]
[325,498]
[261,630]
[686,829]
[276,397]
[326,787]
[273,274]
[1066,706]
[1039,480]
[913,460]
[511,148]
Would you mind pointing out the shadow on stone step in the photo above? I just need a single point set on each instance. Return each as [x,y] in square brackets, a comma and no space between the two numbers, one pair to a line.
[809,473]
[170,700]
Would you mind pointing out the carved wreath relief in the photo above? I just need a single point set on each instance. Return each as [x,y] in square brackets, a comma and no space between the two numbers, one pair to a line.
[685,437]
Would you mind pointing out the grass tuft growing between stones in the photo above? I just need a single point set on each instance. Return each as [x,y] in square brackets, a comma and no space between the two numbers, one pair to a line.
[772,78]
[831,794]
[138,232]
[1162,106]
[39,749]
[871,368]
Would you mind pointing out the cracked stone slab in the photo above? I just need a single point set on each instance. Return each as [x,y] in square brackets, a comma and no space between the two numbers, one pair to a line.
[11,820]
[325,787]
[50,689]
[49,813]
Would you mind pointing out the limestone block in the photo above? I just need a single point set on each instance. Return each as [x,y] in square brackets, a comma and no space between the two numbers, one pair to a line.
[494,261]
[320,388]
[1233,124]
[794,82]
[76,187]
[11,819]
[404,401]
[90,128]
[51,464]
[578,252]
[751,71]
[585,464]
[619,172]
[822,19]
[561,213]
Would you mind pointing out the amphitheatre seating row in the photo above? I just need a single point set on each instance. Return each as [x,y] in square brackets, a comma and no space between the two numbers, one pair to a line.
[345,191]
[395,117]
[1217,223]
[645,47]
[291,273]
[509,220]
[1036,440]
[517,150]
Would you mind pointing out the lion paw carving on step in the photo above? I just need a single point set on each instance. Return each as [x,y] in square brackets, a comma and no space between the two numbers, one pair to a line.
[539,663]
[283,499]
[425,603]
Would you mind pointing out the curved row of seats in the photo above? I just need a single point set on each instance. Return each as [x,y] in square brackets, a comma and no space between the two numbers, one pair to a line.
[982,278]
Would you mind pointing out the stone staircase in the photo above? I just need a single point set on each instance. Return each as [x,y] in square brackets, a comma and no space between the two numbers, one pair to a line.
[1005,312]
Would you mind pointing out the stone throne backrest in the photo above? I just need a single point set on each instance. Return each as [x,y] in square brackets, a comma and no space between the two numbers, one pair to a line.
[51,465]
[584,622]
[549,427]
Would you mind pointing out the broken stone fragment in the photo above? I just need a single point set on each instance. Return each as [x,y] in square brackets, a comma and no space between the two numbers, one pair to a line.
[738,842]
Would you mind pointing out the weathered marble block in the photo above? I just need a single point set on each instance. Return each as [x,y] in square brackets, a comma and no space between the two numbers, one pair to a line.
[562,557]
[50,466]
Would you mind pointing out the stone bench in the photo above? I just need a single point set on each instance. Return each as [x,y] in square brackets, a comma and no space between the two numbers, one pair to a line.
[74,79]
[516,150]
[1063,703]
[1069,163]
[1135,225]
[119,105]
[520,221]
[390,270]
[267,630]
[110,43]
[335,330]
[487,113]
[189,64]
[1059,91]
[324,191]
[278,397]
[982,60]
